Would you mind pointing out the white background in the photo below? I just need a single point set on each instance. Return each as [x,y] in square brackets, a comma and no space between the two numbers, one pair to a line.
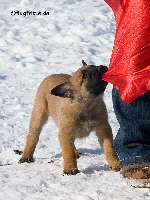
[32,48]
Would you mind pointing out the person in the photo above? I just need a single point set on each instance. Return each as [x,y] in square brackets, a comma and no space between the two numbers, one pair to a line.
[129,72]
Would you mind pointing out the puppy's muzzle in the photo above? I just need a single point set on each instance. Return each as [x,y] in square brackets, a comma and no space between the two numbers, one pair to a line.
[93,78]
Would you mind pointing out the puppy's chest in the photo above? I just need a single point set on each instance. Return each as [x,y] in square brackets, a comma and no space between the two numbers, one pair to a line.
[84,124]
[87,120]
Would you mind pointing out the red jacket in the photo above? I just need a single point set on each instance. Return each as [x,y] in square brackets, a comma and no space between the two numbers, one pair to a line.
[129,69]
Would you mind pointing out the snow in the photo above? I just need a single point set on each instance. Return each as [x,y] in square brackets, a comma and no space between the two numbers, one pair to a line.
[31,48]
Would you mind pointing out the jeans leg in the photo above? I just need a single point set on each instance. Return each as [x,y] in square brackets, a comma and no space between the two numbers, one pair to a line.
[132,142]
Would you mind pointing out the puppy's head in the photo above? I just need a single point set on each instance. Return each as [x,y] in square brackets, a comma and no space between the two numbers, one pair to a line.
[92,78]
[87,79]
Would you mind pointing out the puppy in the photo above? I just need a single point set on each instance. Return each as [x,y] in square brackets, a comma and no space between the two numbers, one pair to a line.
[75,103]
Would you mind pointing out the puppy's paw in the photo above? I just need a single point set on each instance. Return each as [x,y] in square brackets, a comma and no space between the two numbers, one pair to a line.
[28,160]
[116,166]
[71,171]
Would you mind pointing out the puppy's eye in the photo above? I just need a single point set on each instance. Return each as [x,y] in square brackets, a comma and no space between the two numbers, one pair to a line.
[100,69]
[84,74]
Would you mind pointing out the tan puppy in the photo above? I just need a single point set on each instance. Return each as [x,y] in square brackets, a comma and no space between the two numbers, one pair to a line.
[75,103]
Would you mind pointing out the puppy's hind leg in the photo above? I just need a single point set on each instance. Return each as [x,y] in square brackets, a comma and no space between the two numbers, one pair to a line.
[38,119]
[105,138]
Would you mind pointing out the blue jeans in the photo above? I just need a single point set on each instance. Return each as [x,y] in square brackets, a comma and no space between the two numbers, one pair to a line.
[132,141]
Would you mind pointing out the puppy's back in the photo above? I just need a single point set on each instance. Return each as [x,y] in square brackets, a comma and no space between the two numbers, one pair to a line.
[53,80]
[46,99]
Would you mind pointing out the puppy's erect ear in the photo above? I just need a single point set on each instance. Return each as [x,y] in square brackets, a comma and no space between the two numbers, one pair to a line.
[83,63]
[62,90]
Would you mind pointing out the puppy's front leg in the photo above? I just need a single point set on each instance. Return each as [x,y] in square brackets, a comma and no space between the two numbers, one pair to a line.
[105,137]
[66,139]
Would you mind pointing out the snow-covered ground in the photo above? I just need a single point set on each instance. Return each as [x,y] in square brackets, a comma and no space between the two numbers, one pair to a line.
[32,47]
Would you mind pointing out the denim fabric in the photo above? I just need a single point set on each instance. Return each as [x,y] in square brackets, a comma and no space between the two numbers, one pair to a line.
[132,141]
